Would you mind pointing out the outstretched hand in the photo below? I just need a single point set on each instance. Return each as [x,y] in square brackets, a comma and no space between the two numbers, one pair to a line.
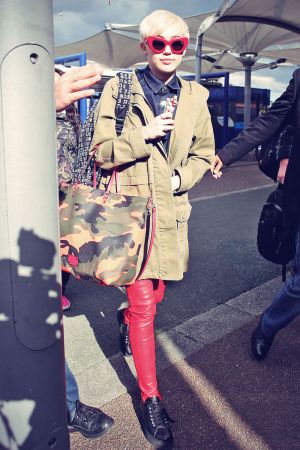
[74,85]
[216,167]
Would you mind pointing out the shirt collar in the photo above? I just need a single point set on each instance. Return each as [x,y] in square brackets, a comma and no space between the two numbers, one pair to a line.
[155,84]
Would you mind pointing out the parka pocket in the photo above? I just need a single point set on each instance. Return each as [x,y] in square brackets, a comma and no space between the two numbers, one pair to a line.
[136,186]
[183,211]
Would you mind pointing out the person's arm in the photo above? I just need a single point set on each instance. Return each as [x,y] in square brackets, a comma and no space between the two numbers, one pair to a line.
[285,142]
[201,153]
[262,129]
[131,145]
[73,85]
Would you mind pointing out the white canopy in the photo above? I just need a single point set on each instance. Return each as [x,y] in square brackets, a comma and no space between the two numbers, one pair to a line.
[246,29]
[116,46]
[231,62]
[250,26]
[280,13]
[292,55]
[107,48]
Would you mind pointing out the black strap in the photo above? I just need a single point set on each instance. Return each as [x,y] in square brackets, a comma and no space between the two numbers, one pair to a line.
[123,100]
[83,168]
[283,273]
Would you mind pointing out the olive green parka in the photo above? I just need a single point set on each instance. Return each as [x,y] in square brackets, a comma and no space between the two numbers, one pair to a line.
[145,168]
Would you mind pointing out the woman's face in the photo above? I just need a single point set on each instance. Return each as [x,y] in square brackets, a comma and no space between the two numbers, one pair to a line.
[163,65]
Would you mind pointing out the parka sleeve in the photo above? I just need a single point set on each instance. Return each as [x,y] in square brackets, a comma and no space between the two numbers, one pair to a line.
[114,151]
[201,153]
[262,128]
[285,143]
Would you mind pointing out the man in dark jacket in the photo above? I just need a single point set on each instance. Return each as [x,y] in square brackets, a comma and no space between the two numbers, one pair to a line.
[285,110]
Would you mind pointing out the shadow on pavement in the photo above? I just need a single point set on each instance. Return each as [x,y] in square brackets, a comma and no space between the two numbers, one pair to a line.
[221,399]
[99,305]
[235,401]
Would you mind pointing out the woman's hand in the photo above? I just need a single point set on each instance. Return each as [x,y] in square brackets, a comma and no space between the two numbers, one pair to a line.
[216,167]
[158,127]
[282,170]
[175,181]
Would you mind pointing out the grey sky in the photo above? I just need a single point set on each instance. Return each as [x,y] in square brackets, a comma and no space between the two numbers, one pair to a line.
[77,19]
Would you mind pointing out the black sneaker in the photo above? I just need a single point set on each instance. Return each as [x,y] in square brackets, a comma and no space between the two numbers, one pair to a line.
[89,421]
[260,344]
[124,334]
[155,424]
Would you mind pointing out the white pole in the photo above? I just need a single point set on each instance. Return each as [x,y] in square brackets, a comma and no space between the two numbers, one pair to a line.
[198,59]
[248,60]
[247,97]
[32,385]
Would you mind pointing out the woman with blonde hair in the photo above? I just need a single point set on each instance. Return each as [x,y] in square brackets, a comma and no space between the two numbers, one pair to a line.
[168,128]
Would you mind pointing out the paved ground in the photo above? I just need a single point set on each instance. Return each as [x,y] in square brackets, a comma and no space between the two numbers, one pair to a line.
[237,177]
[219,397]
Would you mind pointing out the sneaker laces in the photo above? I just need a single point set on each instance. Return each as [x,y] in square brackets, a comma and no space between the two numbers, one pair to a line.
[126,334]
[158,415]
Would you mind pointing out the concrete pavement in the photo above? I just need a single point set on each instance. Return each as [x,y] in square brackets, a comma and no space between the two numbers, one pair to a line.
[218,395]
[93,370]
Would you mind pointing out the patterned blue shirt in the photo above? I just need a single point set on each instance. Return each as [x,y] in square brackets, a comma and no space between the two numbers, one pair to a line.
[157,92]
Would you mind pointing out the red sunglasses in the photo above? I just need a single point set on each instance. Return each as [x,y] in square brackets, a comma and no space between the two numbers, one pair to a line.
[157,44]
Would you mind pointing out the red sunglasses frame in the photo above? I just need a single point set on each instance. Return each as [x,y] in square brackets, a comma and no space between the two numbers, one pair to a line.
[185,40]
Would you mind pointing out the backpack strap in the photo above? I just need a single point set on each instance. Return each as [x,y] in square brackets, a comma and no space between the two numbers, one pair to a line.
[83,167]
[123,99]
[84,170]
[283,272]
[121,110]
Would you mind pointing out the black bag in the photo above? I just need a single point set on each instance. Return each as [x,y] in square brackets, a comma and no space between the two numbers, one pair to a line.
[274,242]
[266,156]
[269,154]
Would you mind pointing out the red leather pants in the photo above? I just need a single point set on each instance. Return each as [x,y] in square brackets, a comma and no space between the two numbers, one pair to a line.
[142,298]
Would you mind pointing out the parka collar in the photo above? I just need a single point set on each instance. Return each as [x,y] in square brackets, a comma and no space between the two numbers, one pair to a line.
[137,89]
[155,84]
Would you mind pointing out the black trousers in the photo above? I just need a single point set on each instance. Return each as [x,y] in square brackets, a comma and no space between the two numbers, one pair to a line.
[64,280]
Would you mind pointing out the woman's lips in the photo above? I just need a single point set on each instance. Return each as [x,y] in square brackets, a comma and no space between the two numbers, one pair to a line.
[167,61]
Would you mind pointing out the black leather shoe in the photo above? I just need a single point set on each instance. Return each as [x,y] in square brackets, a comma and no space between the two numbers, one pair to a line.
[89,421]
[155,425]
[260,344]
[124,334]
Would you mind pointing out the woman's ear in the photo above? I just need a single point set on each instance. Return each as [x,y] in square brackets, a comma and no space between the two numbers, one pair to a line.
[144,48]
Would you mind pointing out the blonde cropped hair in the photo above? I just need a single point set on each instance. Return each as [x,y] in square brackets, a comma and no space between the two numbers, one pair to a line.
[159,21]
